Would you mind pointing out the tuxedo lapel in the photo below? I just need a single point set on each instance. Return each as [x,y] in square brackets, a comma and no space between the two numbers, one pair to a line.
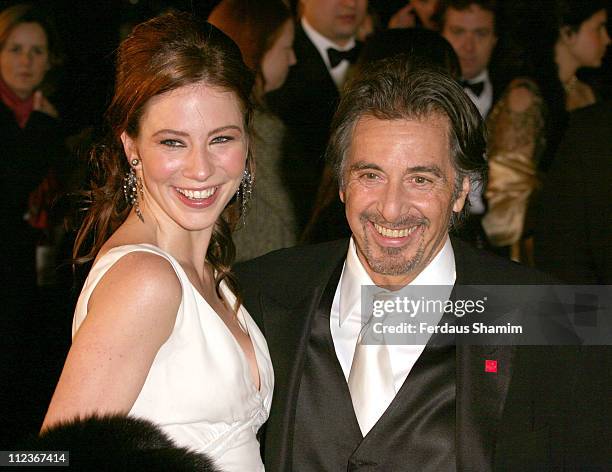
[323,405]
[287,335]
[287,325]
[311,65]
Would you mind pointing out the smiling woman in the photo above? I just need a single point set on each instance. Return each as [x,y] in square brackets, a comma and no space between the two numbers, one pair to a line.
[159,331]
[192,149]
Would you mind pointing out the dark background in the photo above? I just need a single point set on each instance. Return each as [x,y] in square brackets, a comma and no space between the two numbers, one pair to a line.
[91,30]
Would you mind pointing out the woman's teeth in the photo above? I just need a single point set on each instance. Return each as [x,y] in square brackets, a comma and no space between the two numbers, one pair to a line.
[197,194]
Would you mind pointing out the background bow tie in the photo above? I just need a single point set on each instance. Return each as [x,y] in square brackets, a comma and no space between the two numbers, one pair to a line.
[336,57]
[475,87]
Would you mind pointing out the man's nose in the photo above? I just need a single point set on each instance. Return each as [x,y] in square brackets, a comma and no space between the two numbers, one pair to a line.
[394,201]
[469,44]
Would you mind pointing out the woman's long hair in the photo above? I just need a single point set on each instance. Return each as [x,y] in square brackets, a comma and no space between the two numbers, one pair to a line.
[160,55]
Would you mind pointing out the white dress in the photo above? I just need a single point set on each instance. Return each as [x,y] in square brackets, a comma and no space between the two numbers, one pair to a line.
[200,389]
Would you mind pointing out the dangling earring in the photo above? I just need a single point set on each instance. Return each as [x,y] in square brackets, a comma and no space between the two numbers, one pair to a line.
[132,187]
[244,193]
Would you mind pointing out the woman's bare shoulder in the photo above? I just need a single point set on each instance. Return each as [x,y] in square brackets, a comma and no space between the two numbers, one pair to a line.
[130,315]
[139,283]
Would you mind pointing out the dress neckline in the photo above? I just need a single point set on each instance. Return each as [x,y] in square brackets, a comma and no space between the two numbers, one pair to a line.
[241,351]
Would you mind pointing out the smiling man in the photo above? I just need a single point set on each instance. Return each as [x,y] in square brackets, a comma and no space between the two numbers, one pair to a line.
[400,193]
[406,143]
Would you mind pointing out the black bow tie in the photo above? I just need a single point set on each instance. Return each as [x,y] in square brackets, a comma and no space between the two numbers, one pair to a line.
[475,87]
[336,57]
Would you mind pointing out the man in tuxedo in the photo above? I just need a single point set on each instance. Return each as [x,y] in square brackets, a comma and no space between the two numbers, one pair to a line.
[405,145]
[469,25]
[324,46]
[573,224]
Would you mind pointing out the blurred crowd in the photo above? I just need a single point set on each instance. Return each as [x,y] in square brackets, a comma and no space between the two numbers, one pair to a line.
[538,71]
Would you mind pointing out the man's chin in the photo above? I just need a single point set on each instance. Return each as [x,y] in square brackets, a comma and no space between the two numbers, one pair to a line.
[345,32]
[393,261]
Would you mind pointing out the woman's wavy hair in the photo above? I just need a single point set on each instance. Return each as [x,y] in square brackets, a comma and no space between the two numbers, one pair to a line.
[170,51]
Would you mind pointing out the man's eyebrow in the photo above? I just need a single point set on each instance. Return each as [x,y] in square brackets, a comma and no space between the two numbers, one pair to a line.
[435,170]
[362,165]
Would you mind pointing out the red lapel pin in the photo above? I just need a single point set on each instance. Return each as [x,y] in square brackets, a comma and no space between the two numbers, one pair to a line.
[490,366]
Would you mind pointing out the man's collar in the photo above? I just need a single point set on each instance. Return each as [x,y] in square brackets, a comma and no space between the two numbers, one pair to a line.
[322,43]
[440,271]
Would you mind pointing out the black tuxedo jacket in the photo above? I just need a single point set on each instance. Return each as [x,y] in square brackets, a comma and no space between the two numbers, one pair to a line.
[306,103]
[308,99]
[573,237]
[517,419]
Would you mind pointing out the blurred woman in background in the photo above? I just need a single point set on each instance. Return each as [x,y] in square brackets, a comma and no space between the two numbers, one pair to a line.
[264,32]
[528,122]
[32,140]
[32,145]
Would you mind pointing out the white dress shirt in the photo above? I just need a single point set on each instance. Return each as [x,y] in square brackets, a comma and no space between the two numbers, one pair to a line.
[345,317]
[484,101]
[338,73]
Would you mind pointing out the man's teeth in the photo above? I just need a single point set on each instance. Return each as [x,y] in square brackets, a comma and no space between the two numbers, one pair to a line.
[197,194]
[394,233]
